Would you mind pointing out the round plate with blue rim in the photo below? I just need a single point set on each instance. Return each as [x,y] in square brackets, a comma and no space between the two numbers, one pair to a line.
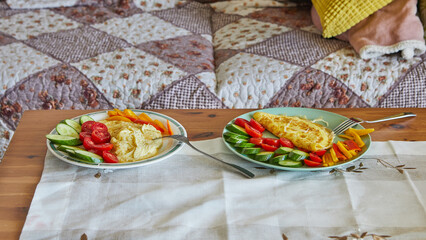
[332,119]
[168,148]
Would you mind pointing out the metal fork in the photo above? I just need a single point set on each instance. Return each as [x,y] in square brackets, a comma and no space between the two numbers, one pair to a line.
[184,139]
[353,121]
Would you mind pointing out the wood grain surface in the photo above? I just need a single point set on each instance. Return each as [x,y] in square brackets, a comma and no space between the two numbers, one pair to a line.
[22,165]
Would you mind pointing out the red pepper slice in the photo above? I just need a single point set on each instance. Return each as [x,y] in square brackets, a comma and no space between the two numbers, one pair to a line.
[339,154]
[272,141]
[311,163]
[256,125]
[268,147]
[256,141]
[315,158]
[241,122]
[286,143]
[351,145]
[252,132]
[320,153]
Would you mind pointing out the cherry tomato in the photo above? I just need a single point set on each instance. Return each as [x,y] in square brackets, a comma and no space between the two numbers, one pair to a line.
[268,147]
[257,141]
[320,152]
[87,126]
[272,141]
[315,158]
[99,126]
[256,125]
[286,143]
[241,122]
[311,163]
[252,132]
[109,157]
[89,144]
[100,136]
[84,134]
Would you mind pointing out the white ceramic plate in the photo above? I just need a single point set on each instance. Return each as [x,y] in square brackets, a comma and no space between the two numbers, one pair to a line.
[168,148]
[332,119]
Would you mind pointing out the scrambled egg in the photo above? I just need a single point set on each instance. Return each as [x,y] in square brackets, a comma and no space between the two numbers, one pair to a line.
[133,142]
[302,132]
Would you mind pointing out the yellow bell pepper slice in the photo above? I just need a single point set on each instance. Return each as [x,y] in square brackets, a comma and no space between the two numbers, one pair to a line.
[356,137]
[119,112]
[333,155]
[343,149]
[362,132]
[118,118]
[159,124]
[130,114]
[145,117]
[346,136]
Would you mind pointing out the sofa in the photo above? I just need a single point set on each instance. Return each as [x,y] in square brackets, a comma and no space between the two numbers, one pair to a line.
[170,54]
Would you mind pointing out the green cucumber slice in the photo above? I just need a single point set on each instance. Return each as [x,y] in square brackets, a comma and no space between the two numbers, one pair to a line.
[63,140]
[297,155]
[283,150]
[244,145]
[237,129]
[263,156]
[250,151]
[66,130]
[235,135]
[235,140]
[88,156]
[73,124]
[290,163]
[85,118]
[67,148]
[277,159]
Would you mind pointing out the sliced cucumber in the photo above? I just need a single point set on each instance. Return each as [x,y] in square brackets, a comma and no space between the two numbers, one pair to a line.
[263,156]
[283,150]
[237,129]
[66,130]
[298,155]
[235,135]
[235,140]
[85,118]
[244,145]
[249,151]
[63,140]
[277,159]
[290,163]
[66,148]
[73,124]
[88,156]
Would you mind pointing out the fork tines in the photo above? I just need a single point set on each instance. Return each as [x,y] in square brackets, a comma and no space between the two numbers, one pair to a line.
[345,125]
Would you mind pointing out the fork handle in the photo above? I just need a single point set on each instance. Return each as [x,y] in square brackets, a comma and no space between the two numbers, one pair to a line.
[396,116]
[243,171]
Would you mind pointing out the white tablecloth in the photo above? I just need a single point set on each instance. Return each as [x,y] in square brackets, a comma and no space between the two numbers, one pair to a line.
[189,196]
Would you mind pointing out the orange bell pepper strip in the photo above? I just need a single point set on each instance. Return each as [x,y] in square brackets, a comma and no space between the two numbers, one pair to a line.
[118,118]
[145,117]
[343,149]
[338,153]
[169,127]
[139,121]
[119,112]
[158,123]
[112,113]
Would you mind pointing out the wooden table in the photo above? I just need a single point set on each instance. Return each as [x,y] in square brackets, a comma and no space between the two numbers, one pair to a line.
[21,168]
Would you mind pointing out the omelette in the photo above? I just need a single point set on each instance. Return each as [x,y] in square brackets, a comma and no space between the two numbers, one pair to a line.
[302,132]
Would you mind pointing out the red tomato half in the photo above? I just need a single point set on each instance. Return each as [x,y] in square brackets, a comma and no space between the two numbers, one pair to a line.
[257,141]
[87,126]
[286,143]
[315,158]
[99,126]
[252,132]
[256,125]
[272,141]
[320,152]
[109,157]
[311,163]
[89,144]
[268,148]
[241,122]
[100,136]
[84,134]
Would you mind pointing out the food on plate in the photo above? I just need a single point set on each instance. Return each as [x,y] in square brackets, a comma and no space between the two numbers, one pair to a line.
[133,142]
[303,133]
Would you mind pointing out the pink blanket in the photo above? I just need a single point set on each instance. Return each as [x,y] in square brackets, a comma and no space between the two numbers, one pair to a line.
[394,28]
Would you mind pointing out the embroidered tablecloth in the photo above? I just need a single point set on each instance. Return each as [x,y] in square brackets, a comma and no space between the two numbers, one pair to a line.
[189,196]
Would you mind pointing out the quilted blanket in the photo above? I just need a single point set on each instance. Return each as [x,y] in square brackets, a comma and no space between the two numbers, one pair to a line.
[153,54]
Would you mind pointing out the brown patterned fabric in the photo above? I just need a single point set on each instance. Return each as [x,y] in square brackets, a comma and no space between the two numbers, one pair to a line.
[93,54]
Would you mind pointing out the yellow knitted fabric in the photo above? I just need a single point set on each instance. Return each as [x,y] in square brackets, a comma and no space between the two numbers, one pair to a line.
[337,16]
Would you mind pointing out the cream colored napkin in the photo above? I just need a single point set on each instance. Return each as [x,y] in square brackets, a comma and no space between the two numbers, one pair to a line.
[189,196]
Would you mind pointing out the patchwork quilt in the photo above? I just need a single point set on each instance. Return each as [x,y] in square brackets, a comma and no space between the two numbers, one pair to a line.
[158,54]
